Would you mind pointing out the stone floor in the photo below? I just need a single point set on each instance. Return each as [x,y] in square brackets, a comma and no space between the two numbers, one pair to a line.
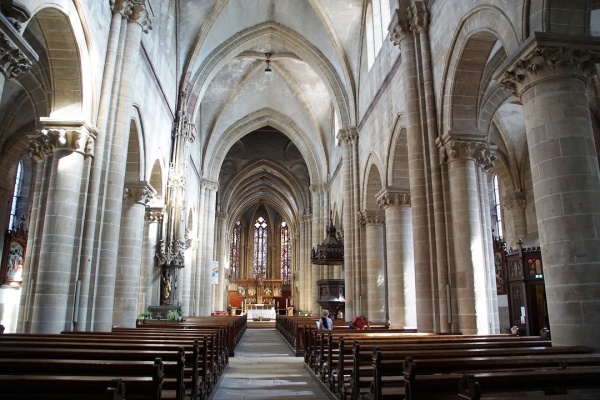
[264,367]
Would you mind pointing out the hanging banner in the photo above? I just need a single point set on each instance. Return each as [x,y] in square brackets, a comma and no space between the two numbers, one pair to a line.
[215,273]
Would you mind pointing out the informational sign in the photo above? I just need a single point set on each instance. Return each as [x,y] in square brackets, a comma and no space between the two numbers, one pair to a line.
[215,273]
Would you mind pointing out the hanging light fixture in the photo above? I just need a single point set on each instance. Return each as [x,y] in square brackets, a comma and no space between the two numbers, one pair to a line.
[268,70]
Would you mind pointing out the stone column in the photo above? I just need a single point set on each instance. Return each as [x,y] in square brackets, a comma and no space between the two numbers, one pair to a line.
[40,151]
[128,279]
[305,302]
[71,142]
[471,261]
[549,76]
[106,113]
[138,22]
[374,305]
[400,258]
[516,203]
[208,235]
[349,139]
[222,245]
[485,176]
[401,35]
[150,273]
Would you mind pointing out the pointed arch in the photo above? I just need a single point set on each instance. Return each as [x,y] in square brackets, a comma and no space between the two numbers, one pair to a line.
[216,150]
[462,80]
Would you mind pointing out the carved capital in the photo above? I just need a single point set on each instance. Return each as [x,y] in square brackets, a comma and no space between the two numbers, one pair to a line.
[419,16]
[370,218]
[39,147]
[55,135]
[137,12]
[459,149]
[134,193]
[13,62]
[154,214]
[175,180]
[546,56]
[389,198]
[348,135]
[119,6]
[400,27]
[210,185]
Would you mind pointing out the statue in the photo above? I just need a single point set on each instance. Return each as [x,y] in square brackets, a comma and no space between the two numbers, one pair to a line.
[166,286]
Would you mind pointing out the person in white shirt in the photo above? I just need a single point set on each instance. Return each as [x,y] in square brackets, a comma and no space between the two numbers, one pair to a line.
[326,322]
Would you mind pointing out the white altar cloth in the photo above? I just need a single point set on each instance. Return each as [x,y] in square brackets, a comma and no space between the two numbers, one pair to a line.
[265,313]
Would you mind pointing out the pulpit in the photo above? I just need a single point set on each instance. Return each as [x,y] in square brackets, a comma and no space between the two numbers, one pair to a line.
[331,295]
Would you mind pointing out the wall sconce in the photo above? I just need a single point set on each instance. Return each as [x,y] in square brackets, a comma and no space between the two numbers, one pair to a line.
[268,70]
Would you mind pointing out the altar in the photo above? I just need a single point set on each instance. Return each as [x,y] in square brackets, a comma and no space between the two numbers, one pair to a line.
[261,312]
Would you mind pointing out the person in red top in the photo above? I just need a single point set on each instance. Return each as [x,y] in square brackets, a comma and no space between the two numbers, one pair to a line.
[359,322]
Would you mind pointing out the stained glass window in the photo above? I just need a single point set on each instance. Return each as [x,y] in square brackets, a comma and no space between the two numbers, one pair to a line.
[259,269]
[13,222]
[234,258]
[497,212]
[286,253]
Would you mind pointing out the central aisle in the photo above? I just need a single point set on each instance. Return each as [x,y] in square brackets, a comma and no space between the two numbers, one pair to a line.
[264,367]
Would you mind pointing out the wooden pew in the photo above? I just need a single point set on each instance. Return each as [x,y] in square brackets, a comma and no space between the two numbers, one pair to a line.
[197,373]
[338,363]
[428,377]
[175,359]
[573,384]
[60,387]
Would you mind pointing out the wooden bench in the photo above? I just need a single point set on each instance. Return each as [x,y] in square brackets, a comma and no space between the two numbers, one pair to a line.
[425,372]
[577,383]
[172,385]
[60,387]
[337,365]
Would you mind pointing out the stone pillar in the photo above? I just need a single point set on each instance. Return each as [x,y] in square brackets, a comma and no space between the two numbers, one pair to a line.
[401,35]
[208,235]
[138,22]
[128,279]
[374,305]
[222,245]
[420,18]
[516,203]
[349,139]
[106,113]
[40,152]
[150,273]
[400,258]
[485,167]
[305,300]
[71,142]
[471,261]
[549,76]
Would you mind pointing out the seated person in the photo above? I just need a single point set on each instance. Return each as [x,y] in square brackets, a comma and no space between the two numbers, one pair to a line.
[326,322]
[359,322]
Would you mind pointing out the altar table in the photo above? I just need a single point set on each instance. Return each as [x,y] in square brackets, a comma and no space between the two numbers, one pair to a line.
[265,313]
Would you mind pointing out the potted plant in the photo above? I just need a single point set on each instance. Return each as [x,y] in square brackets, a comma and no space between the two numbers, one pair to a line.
[172,315]
[145,315]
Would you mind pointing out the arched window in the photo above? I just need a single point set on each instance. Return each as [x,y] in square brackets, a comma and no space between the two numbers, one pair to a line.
[234,256]
[286,253]
[497,212]
[377,19]
[13,222]
[259,269]
[370,36]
